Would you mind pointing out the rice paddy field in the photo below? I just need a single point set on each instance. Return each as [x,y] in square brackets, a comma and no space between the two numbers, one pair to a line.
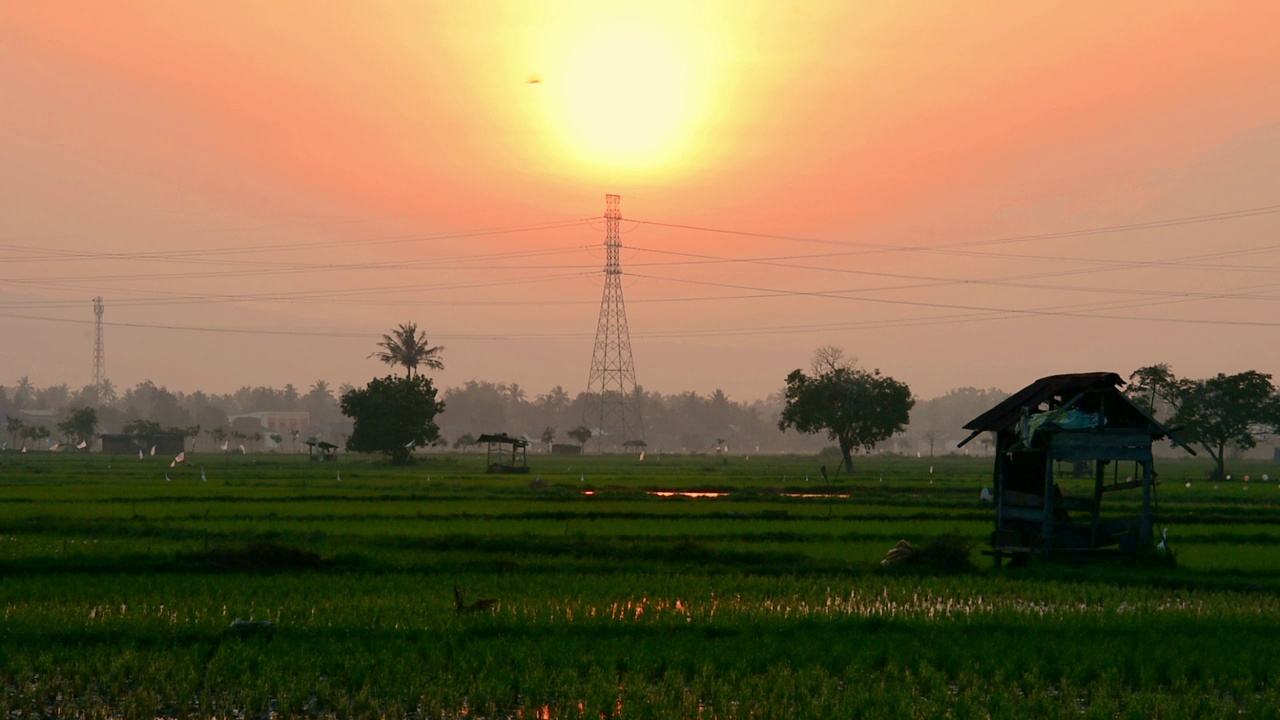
[677,587]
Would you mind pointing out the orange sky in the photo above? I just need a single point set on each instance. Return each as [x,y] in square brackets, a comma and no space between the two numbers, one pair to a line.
[291,168]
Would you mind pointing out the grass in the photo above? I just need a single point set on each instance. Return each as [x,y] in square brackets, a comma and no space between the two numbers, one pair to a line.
[117,591]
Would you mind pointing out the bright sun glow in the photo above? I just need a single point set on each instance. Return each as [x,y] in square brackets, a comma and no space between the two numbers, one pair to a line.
[625,96]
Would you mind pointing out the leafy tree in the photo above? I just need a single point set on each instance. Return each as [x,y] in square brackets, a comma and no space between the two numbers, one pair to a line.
[54,397]
[477,406]
[1154,388]
[392,416]
[36,433]
[219,435]
[549,436]
[187,431]
[856,408]
[408,347]
[464,441]
[80,425]
[141,427]
[146,400]
[1220,413]
[581,435]
[13,426]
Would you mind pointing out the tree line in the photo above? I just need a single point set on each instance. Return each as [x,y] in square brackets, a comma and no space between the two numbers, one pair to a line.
[834,402]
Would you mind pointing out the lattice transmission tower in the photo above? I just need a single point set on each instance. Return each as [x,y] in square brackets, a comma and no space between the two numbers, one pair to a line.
[614,410]
[99,356]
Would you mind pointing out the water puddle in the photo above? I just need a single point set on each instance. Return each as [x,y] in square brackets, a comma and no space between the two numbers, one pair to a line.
[687,493]
[817,495]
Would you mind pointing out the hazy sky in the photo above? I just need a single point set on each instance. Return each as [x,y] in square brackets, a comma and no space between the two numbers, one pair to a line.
[949,191]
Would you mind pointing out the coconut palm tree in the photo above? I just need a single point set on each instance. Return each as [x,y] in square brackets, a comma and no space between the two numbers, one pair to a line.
[24,393]
[107,391]
[407,346]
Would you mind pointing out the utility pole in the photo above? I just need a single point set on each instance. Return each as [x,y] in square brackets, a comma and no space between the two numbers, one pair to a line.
[614,408]
[99,356]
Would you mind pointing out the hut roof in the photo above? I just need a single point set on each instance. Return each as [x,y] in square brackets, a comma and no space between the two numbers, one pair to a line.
[1009,411]
[1084,391]
[503,439]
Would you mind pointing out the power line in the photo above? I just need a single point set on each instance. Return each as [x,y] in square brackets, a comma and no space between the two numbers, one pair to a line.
[957,306]
[164,255]
[928,281]
[880,247]
[361,295]
[288,269]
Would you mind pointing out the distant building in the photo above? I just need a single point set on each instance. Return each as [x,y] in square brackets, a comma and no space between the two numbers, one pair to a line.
[34,418]
[129,444]
[276,421]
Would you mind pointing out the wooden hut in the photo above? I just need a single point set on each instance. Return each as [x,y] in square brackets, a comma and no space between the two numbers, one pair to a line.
[506,454]
[1083,419]
[321,451]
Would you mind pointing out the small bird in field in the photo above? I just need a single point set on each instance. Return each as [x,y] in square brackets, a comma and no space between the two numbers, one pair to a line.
[462,607]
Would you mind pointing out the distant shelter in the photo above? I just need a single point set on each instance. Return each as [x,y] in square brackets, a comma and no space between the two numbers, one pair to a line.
[321,451]
[1083,419]
[506,454]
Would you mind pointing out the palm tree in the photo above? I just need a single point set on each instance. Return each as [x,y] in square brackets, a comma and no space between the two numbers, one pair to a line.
[408,347]
[23,395]
[107,391]
[516,394]
[320,389]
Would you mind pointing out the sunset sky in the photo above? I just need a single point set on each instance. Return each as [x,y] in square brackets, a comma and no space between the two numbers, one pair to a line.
[955,193]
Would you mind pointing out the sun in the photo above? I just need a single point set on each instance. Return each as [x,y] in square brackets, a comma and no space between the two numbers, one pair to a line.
[624,96]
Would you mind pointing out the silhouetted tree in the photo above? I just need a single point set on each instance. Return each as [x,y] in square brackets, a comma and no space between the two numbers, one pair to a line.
[856,408]
[13,426]
[408,347]
[1220,413]
[581,435]
[24,394]
[393,416]
[79,426]
[36,433]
